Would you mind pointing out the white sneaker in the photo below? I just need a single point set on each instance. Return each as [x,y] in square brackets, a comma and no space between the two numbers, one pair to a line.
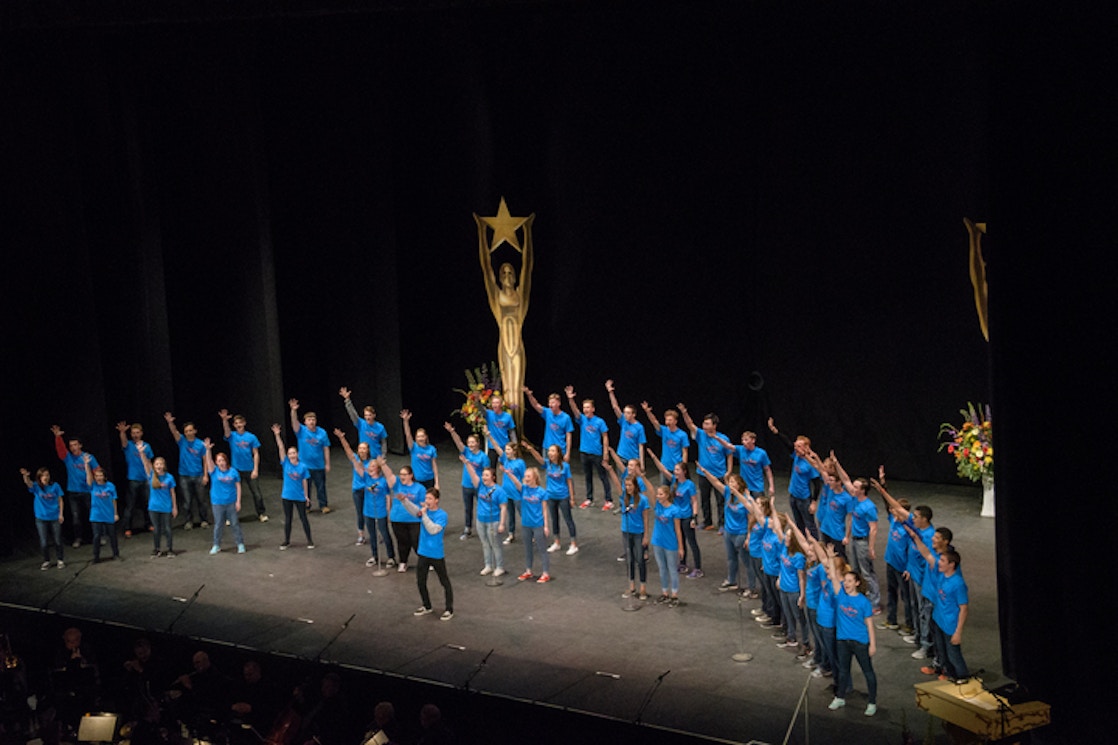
[370,562]
[920,654]
[487,571]
[402,568]
[421,611]
[836,703]
[871,709]
[511,538]
[572,550]
[553,547]
[499,571]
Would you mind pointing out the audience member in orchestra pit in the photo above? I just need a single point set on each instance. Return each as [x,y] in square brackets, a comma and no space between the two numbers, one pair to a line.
[736,528]
[75,678]
[471,450]
[635,530]
[204,692]
[244,447]
[593,446]
[254,701]
[225,497]
[430,552]
[687,508]
[863,533]
[499,428]
[560,495]
[132,443]
[896,563]
[674,442]
[77,488]
[370,498]
[713,459]
[314,451]
[48,514]
[667,545]
[146,678]
[834,507]
[192,475]
[534,522]
[405,525]
[384,729]
[369,430]
[294,495]
[102,508]
[433,731]
[512,459]
[492,512]
[327,719]
[804,484]
[424,456]
[162,504]
[557,426]
[631,439]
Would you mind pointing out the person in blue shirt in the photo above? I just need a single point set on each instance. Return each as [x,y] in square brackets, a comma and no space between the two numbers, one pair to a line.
[225,496]
[792,586]
[739,505]
[674,442]
[369,430]
[192,475]
[500,428]
[424,456]
[471,450]
[295,494]
[535,522]
[950,603]
[360,460]
[557,426]
[687,509]
[405,525]
[593,447]
[131,443]
[102,512]
[511,460]
[631,440]
[77,491]
[756,468]
[491,513]
[896,562]
[635,529]
[162,504]
[244,447]
[314,451]
[863,533]
[560,490]
[667,545]
[48,513]
[854,633]
[430,553]
[713,459]
[804,484]
[835,505]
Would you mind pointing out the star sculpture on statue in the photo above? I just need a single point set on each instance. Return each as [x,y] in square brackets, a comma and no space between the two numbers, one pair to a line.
[504,227]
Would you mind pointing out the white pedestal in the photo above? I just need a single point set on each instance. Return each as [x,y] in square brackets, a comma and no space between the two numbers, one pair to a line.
[987,496]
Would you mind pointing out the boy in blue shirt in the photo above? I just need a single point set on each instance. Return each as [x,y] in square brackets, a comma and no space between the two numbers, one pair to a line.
[557,427]
[593,447]
[430,553]
[712,459]
[369,430]
[77,491]
[244,447]
[192,474]
[314,451]
[132,442]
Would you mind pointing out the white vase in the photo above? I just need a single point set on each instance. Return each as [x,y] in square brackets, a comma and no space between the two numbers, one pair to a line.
[988,495]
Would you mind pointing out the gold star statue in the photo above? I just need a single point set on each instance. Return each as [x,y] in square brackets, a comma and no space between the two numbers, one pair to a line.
[504,227]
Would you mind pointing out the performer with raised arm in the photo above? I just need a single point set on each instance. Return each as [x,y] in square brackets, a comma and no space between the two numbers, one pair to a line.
[735,533]
[491,515]
[77,489]
[131,443]
[560,488]
[499,428]
[405,525]
[557,426]
[792,586]
[667,545]
[804,484]
[686,498]
[48,513]
[369,430]
[674,442]
[225,497]
[162,504]
[863,532]
[430,553]
[295,495]
[713,459]
[756,468]
[534,521]
[632,439]
[855,635]
[819,662]
[244,448]
[593,447]
[896,565]
[102,511]
[314,451]
[834,507]
[360,462]
[949,614]
[471,450]
[512,459]
[192,473]
[636,528]
[424,456]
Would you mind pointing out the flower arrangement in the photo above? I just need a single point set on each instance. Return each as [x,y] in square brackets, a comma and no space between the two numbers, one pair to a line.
[972,443]
[482,383]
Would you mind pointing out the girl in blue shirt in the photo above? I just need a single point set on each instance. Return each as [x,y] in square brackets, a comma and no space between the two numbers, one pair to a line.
[405,525]
[634,515]
[736,525]
[471,450]
[535,521]
[854,632]
[667,544]
[102,507]
[48,512]
[424,457]
[294,495]
[491,512]
[687,504]
[560,495]
[162,505]
[225,497]
[512,461]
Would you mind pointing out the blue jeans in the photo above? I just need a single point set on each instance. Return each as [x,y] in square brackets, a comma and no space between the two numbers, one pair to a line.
[318,480]
[829,660]
[51,529]
[223,512]
[510,516]
[752,569]
[136,494]
[190,487]
[951,655]
[634,554]
[592,464]
[735,552]
[469,496]
[794,615]
[811,614]
[770,599]
[667,561]
[801,513]
[359,508]
[104,530]
[861,563]
[491,549]
[532,538]
[924,628]
[897,586]
[846,649]
[253,485]
[161,521]
[555,506]
[381,524]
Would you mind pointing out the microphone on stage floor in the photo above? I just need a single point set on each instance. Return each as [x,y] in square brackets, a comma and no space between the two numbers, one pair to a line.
[663,675]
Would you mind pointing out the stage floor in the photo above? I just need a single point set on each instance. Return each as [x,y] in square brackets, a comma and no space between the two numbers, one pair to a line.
[568,644]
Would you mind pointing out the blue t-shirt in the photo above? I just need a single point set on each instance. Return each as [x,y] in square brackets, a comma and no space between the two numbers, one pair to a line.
[753,465]
[825,613]
[46,501]
[374,434]
[159,499]
[293,477]
[557,478]
[672,446]
[832,510]
[851,612]
[865,512]
[489,501]
[916,561]
[790,565]
[799,485]
[813,589]
[555,429]
[480,459]
[357,483]
[736,515]
[431,544]
[190,456]
[951,592]
[770,550]
[531,506]
[684,493]
[223,486]
[415,493]
[135,464]
[756,534]
[590,431]
[896,549]
[663,527]
[500,426]
[75,472]
[516,467]
[101,498]
[423,458]
[376,497]
[712,455]
[631,439]
[241,446]
[312,447]
[632,516]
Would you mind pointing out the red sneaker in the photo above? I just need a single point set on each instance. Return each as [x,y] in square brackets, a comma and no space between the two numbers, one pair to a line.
[607,506]
[544,578]
[928,670]
[526,575]
[584,505]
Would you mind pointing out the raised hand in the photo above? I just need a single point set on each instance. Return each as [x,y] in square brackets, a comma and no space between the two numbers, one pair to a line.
[645,406]
[772,427]
[169,417]
[344,392]
[224,414]
[276,429]
[56,430]
[209,445]
[448,426]
[122,426]
[293,403]
[570,391]
[339,434]
[405,415]
[609,385]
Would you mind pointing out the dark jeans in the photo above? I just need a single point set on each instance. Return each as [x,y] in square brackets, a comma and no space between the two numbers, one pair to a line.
[161,521]
[592,464]
[381,524]
[106,530]
[359,508]
[829,660]
[318,479]
[555,506]
[253,485]
[811,614]
[840,550]
[847,648]
[735,552]
[49,529]
[634,553]
[290,505]
[801,513]
[755,574]
[690,541]
[469,496]
[407,539]
[510,516]
[421,570]
[193,499]
[534,539]
[135,496]
[897,587]
[770,599]
[794,615]
[705,489]
[950,655]
[79,507]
